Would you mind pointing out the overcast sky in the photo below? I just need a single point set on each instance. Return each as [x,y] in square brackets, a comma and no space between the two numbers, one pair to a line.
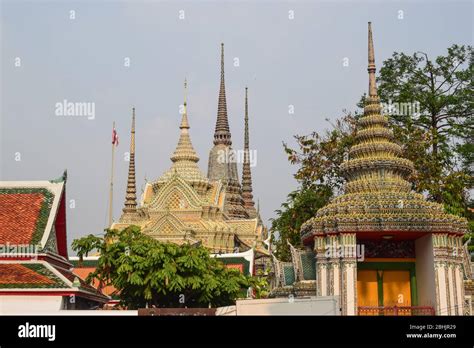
[48,57]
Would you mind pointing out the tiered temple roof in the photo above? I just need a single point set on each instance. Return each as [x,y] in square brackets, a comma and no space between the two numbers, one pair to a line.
[378,196]
[33,252]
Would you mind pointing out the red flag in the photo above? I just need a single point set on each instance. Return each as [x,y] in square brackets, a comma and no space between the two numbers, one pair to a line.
[115,139]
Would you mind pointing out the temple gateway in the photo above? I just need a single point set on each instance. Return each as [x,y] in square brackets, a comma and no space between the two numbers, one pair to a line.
[185,206]
[413,260]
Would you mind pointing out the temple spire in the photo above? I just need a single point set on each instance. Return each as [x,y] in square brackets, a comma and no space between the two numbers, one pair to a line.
[247,194]
[222,132]
[371,67]
[375,161]
[131,196]
[222,166]
[184,120]
[184,150]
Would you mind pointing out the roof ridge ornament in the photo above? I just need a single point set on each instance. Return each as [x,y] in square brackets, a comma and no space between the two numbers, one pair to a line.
[62,178]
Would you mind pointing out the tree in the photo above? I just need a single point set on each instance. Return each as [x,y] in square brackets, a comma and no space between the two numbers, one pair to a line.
[319,158]
[439,137]
[444,123]
[148,272]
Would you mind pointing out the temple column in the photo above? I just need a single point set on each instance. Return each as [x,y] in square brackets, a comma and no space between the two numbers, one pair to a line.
[451,265]
[348,284]
[457,275]
[440,253]
[333,265]
[321,265]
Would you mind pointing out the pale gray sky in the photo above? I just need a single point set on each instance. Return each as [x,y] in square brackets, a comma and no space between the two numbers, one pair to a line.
[283,62]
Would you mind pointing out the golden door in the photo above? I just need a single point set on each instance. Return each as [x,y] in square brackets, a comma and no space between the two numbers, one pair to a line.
[367,288]
[396,288]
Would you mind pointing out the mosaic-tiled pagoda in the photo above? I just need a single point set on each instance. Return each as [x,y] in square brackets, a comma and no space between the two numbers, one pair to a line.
[412,249]
[225,170]
[185,206]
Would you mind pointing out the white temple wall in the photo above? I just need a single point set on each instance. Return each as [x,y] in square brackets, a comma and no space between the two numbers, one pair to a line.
[26,304]
[459,283]
[452,307]
[442,308]
[425,271]
[337,278]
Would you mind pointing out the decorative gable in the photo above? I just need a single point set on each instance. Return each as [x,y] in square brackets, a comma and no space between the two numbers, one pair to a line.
[176,195]
[167,225]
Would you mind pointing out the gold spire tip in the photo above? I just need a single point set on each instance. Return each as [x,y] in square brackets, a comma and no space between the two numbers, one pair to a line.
[185,90]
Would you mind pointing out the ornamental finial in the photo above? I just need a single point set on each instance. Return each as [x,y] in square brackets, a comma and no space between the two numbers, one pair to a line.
[371,66]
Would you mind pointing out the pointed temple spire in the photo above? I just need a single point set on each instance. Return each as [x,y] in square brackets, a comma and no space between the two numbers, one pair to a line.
[371,67]
[221,165]
[247,194]
[376,160]
[377,194]
[184,150]
[184,157]
[131,196]
[184,120]
[222,132]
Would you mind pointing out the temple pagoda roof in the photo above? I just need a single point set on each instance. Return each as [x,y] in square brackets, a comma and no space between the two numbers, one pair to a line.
[378,195]
[33,257]
[41,277]
[28,213]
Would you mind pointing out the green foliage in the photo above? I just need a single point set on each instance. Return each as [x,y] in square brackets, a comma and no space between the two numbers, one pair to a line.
[147,272]
[260,285]
[439,138]
[319,158]
[300,206]
[319,155]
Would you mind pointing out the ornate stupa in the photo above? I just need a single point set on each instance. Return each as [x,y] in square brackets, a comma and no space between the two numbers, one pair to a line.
[130,206]
[222,164]
[378,196]
[400,230]
[184,159]
[247,191]
[184,206]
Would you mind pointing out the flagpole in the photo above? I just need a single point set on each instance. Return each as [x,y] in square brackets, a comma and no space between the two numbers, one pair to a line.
[111,193]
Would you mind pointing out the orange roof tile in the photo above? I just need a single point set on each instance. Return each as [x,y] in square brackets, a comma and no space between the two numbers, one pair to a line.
[83,272]
[18,216]
[19,274]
